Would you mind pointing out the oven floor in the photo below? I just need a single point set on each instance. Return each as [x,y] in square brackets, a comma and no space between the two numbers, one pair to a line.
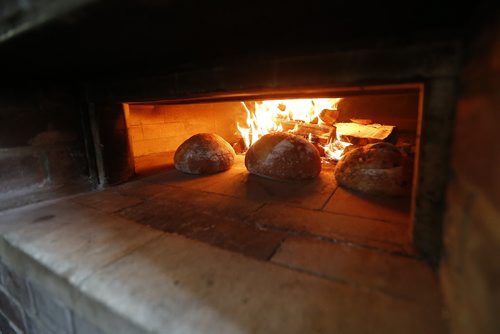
[253,215]
[273,257]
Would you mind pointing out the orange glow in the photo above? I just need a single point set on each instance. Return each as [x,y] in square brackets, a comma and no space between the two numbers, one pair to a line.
[268,116]
[334,150]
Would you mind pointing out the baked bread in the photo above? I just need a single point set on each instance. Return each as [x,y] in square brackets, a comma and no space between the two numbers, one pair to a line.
[376,169]
[204,153]
[283,156]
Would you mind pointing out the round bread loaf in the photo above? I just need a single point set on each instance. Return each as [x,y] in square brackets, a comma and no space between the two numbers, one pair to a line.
[376,169]
[204,153]
[283,156]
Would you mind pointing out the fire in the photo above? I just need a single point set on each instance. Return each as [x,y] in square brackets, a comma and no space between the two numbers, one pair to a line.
[294,116]
[268,116]
[265,119]
[334,150]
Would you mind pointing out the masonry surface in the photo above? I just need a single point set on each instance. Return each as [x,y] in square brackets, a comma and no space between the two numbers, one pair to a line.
[470,270]
[42,150]
[174,253]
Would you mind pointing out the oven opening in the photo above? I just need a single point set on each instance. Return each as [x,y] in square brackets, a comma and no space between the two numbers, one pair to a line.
[337,165]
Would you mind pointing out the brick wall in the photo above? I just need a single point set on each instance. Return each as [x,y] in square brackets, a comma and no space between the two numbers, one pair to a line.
[42,152]
[162,128]
[470,268]
[26,307]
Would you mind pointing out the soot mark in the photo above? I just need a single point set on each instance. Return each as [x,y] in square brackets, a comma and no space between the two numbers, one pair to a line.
[43,218]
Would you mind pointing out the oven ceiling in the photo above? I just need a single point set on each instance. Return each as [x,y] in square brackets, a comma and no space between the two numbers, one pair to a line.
[124,37]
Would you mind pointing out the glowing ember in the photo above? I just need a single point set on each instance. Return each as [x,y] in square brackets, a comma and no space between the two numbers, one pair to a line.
[268,116]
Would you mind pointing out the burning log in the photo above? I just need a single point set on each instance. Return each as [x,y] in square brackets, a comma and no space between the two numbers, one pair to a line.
[303,117]
[329,116]
[363,121]
[321,132]
[359,134]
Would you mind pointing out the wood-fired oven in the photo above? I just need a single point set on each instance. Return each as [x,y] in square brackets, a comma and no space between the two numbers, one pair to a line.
[100,232]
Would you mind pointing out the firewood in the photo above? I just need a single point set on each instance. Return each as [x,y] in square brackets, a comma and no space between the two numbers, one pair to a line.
[359,134]
[304,129]
[329,116]
[363,121]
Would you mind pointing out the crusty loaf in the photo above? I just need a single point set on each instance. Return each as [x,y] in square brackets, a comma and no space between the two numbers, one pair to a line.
[204,153]
[283,156]
[375,169]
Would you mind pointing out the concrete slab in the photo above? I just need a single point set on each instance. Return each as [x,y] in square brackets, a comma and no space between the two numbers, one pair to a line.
[142,190]
[34,221]
[400,276]
[176,285]
[238,182]
[174,203]
[128,278]
[215,219]
[396,210]
[106,201]
[311,194]
[74,241]
[394,237]
[173,177]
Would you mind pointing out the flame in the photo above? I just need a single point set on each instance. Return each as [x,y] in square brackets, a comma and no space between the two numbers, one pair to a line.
[267,116]
[334,150]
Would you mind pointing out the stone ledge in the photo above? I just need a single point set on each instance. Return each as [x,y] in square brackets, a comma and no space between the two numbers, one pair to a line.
[126,278]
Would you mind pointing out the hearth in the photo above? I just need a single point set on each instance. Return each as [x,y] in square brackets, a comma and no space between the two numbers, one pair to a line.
[379,86]
[393,112]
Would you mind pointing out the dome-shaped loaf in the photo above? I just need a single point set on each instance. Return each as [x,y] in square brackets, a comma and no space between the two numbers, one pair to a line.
[283,156]
[204,153]
[375,169]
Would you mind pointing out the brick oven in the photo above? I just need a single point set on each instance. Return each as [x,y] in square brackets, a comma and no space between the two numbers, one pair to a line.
[100,233]
[156,129]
